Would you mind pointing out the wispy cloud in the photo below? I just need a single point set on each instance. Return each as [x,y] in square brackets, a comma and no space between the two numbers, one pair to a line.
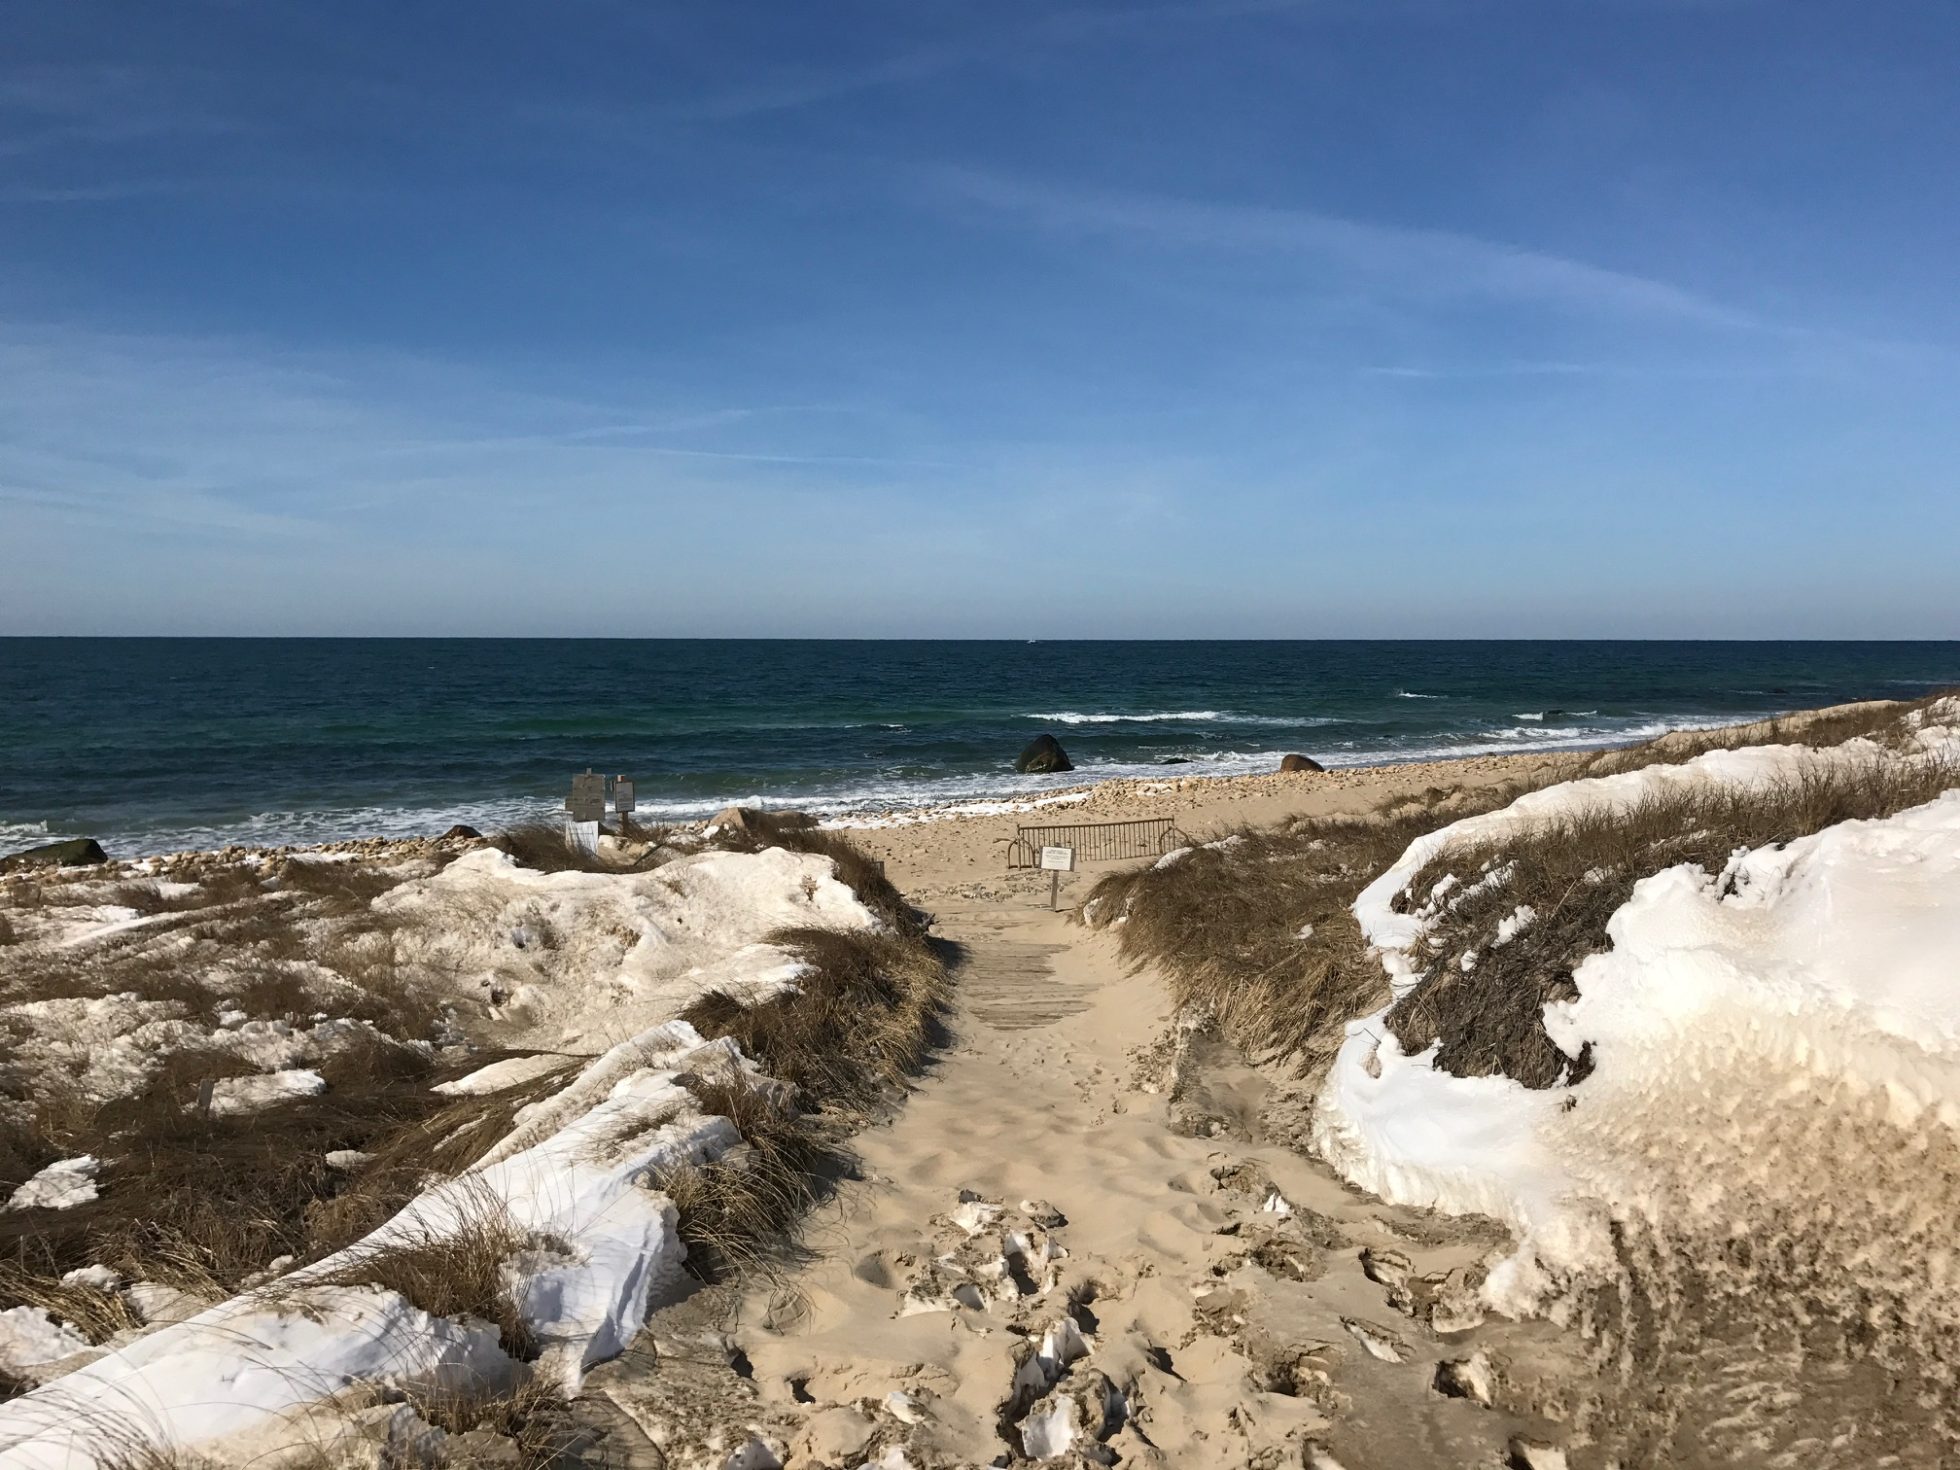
[104,193]
[245,439]
[1429,263]
[49,107]
[993,41]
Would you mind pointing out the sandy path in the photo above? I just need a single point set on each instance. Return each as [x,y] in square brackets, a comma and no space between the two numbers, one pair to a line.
[1234,1303]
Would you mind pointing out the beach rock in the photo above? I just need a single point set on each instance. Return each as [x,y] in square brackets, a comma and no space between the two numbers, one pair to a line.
[1300,763]
[1043,755]
[461,832]
[76,852]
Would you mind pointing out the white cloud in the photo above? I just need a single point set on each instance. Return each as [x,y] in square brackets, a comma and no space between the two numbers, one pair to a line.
[1426,263]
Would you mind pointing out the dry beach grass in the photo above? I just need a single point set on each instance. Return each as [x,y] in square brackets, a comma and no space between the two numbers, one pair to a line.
[1253,927]
[1481,1003]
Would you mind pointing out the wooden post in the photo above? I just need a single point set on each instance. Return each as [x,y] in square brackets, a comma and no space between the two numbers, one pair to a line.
[1057,860]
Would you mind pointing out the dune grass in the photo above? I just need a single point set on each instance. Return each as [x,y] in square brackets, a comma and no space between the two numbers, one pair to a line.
[530,1415]
[739,1212]
[837,1049]
[456,1272]
[205,1204]
[1254,928]
[857,1022]
[861,1019]
[1573,875]
[1884,721]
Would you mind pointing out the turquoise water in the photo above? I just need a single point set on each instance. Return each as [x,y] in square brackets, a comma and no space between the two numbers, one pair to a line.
[154,744]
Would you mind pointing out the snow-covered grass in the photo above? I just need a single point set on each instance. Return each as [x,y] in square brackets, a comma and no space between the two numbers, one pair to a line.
[1485,974]
[1712,1083]
[471,1226]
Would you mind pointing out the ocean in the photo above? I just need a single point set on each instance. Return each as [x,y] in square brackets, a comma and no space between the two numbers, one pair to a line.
[154,744]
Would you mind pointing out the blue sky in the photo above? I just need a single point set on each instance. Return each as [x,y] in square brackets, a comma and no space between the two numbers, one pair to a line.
[1333,318]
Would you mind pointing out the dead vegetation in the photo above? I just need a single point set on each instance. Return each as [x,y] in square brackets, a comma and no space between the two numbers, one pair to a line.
[738,1212]
[338,889]
[96,1314]
[1254,928]
[857,1022]
[861,1018]
[201,1204]
[441,1143]
[531,1419]
[543,847]
[205,1204]
[1482,1001]
[457,1271]
[1886,722]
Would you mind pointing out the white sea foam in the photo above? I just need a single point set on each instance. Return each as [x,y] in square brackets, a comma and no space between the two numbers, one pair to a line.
[1077,717]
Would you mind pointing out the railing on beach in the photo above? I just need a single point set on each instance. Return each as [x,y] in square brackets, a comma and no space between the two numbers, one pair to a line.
[1095,841]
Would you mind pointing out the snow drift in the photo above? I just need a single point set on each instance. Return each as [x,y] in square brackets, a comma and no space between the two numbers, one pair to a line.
[575,1183]
[1770,1117]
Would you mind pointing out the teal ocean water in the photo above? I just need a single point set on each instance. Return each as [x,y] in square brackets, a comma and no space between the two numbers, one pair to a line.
[156,744]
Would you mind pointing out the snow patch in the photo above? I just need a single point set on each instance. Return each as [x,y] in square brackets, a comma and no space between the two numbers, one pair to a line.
[60,1186]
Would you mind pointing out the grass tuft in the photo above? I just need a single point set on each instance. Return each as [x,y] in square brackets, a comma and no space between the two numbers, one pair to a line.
[543,847]
[442,1141]
[857,1022]
[531,1415]
[98,1315]
[737,1212]
[458,1272]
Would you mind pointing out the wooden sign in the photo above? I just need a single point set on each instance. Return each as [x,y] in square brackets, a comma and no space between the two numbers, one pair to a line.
[587,803]
[1058,859]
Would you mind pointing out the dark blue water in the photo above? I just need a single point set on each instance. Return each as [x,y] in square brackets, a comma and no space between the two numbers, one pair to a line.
[153,744]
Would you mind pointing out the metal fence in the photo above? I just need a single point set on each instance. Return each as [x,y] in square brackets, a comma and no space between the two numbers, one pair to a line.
[1095,841]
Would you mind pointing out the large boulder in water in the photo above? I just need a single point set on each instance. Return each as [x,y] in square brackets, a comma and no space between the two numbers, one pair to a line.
[1300,763]
[76,852]
[1043,755]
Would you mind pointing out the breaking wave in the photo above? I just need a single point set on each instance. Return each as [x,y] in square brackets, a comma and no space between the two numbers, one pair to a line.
[1076,717]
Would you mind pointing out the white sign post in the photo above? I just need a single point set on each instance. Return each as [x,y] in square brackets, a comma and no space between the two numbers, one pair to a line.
[1056,861]
[585,806]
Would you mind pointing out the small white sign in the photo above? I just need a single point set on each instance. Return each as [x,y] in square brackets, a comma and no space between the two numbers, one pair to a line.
[1058,859]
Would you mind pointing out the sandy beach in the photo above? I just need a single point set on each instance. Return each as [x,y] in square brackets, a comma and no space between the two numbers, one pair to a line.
[1048,1201]
[946,854]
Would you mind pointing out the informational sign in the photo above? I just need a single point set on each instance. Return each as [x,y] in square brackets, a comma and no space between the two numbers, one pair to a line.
[622,794]
[587,803]
[1058,859]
